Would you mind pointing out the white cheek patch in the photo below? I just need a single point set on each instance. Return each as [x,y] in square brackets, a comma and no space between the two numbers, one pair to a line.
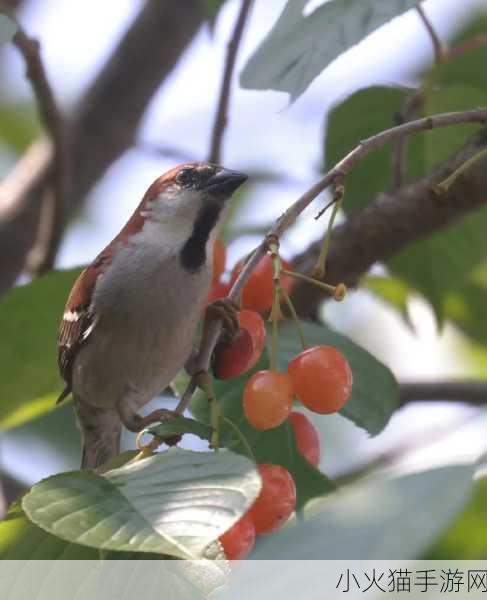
[170,219]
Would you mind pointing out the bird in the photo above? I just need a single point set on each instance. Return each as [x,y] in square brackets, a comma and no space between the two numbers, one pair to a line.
[130,319]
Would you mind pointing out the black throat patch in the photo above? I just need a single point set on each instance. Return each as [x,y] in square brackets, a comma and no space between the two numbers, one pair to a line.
[193,254]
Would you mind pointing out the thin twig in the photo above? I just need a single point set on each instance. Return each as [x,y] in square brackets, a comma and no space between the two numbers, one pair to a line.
[435,40]
[444,186]
[342,168]
[400,151]
[222,110]
[52,218]
[468,392]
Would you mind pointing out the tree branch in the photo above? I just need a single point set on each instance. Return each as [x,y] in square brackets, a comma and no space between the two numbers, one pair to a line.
[393,221]
[105,123]
[468,392]
[371,226]
[221,117]
[43,254]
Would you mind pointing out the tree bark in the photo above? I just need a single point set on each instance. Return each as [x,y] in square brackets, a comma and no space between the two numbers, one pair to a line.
[106,121]
[392,221]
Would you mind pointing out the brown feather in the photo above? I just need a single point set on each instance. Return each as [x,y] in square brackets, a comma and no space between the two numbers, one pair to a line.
[72,333]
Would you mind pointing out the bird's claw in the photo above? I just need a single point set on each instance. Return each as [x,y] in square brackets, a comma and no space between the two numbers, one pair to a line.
[225,310]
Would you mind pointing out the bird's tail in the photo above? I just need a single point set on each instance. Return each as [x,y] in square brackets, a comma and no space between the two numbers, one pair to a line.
[100,434]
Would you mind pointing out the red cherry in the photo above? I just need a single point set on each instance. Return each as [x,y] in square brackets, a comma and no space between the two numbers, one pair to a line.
[258,292]
[218,290]
[276,501]
[322,379]
[232,360]
[253,322]
[239,540]
[267,399]
[306,436]
[219,259]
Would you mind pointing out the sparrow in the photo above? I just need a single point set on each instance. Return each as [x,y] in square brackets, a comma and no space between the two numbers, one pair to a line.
[130,319]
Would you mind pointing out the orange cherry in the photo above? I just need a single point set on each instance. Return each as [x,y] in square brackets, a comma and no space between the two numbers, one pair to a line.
[239,540]
[306,436]
[321,378]
[276,501]
[267,399]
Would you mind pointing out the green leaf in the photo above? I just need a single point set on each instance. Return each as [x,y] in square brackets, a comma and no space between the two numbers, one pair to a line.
[19,125]
[392,290]
[465,539]
[7,29]
[299,47]
[180,426]
[375,390]
[177,503]
[440,143]
[376,519]
[347,126]
[374,398]
[435,266]
[20,539]
[467,67]
[275,446]
[466,308]
[442,263]
[29,320]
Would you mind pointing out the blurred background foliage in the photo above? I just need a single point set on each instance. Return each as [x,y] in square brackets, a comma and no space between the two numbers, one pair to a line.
[422,314]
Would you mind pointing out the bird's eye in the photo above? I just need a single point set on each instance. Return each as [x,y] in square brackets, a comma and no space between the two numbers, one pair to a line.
[184,177]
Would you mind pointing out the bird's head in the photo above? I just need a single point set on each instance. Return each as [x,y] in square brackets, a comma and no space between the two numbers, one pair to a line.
[183,209]
[189,191]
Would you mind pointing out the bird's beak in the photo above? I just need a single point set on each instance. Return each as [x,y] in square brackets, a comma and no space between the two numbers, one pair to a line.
[225,182]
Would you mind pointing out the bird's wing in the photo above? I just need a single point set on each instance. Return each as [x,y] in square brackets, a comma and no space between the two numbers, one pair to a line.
[79,319]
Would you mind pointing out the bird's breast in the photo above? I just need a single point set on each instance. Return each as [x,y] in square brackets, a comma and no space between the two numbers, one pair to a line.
[148,309]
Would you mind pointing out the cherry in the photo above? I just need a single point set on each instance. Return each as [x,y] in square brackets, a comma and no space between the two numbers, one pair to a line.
[218,290]
[219,259]
[306,436]
[276,501]
[239,540]
[267,399]
[258,292]
[236,358]
[231,360]
[253,322]
[322,379]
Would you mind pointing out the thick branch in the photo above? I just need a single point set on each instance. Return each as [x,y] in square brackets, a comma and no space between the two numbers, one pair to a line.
[222,109]
[107,119]
[393,221]
[468,392]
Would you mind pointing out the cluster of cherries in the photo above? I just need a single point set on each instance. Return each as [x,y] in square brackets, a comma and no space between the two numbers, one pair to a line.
[320,377]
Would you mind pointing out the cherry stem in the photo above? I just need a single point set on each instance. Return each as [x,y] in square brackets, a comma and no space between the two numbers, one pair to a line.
[295,317]
[276,313]
[320,267]
[443,187]
[241,437]
[321,284]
